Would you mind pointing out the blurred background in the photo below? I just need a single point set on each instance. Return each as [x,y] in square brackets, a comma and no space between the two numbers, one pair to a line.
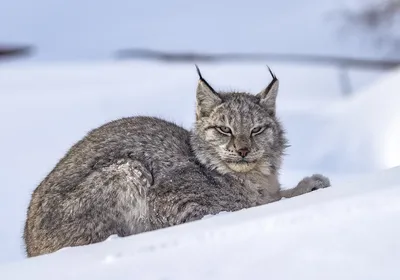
[69,66]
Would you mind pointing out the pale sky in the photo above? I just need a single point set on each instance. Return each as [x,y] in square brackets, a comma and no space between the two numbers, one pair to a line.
[95,29]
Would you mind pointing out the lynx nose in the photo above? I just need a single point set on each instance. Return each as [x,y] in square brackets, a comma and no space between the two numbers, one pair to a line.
[243,152]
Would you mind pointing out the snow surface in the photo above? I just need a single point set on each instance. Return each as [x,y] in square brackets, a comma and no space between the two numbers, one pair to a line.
[346,232]
[349,231]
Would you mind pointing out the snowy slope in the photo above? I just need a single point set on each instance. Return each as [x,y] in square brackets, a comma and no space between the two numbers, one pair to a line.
[345,232]
[45,109]
[364,130]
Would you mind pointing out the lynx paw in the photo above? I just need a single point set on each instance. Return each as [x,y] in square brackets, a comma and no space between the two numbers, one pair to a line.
[315,182]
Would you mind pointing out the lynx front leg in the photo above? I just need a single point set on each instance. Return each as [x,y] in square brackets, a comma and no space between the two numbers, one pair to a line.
[308,184]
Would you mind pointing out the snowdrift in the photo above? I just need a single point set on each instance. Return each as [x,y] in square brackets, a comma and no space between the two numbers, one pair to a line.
[364,130]
[349,231]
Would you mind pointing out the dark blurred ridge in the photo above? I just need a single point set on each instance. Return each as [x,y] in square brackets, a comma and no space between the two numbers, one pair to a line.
[12,52]
[191,57]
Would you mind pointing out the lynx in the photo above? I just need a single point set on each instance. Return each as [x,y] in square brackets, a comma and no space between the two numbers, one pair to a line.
[141,173]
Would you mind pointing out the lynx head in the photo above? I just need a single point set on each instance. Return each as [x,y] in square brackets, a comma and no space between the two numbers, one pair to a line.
[236,132]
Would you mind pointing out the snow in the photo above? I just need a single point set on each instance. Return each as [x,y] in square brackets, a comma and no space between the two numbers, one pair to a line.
[345,232]
[329,234]
[372,132]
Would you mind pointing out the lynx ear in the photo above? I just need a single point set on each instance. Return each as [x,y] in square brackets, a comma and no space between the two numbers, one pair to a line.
[206,97]
[269,94]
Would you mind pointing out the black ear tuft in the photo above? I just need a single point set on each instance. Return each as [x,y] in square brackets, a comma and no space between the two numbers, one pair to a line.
[272,74]
[273,82]
[198,72]
[203,80]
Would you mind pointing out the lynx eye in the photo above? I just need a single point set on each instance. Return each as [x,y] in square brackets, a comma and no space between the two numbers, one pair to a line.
[224,129]
[257,130]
